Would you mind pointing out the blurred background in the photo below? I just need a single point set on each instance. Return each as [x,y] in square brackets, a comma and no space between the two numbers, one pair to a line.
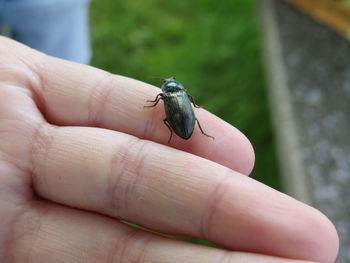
[212,47]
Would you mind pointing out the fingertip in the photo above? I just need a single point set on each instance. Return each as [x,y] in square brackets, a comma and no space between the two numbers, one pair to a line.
[324,246]
[314,233]
[247,164]
[231,147]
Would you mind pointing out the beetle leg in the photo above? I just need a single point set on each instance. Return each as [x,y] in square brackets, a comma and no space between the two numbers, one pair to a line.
[171,131]
[192,100]
[156,100]
[159,95]
[200,127]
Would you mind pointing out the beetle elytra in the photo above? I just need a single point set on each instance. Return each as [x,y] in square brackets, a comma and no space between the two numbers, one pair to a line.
[180,117]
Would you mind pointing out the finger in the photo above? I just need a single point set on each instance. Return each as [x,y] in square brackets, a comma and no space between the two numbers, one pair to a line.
[19,119]
[73,94]
[175,192]
[48,233]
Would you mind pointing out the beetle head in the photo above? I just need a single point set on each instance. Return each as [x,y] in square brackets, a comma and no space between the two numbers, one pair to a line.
[171,85]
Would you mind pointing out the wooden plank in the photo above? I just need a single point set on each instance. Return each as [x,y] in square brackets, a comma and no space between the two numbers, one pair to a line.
[333,13]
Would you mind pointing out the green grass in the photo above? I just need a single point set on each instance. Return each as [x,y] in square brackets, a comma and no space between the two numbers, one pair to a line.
[212,47]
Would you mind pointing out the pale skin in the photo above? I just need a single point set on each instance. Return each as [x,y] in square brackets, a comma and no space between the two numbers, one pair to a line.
[79,153]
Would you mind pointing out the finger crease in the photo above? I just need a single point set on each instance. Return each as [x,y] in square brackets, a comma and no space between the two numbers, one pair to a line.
[127,165]
[214,200]
[100,93]
[39,154]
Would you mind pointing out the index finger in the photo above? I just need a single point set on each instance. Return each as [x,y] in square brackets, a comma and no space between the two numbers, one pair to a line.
[80,95]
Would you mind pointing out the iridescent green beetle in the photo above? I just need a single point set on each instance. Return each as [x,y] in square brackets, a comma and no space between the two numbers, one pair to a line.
[180,117]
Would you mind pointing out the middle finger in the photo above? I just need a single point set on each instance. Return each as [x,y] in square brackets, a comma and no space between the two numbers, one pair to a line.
[171,191]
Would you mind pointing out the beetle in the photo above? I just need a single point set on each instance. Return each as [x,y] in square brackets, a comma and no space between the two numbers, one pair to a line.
[180,117]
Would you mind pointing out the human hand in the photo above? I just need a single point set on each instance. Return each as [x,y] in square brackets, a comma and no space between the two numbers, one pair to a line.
[77,158]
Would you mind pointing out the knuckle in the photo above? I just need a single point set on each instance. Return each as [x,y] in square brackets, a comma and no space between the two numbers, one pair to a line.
[215,198]
[127,166]
[40,153]
[99,98]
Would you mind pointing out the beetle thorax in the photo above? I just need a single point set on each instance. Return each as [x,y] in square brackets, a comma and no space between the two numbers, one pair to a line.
[170,85]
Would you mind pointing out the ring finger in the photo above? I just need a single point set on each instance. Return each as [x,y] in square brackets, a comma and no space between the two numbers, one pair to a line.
[52,233]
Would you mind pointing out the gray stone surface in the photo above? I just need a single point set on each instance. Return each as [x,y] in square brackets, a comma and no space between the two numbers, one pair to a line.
[316,64]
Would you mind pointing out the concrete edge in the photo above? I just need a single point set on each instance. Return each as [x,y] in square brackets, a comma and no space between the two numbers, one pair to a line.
[289,154]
